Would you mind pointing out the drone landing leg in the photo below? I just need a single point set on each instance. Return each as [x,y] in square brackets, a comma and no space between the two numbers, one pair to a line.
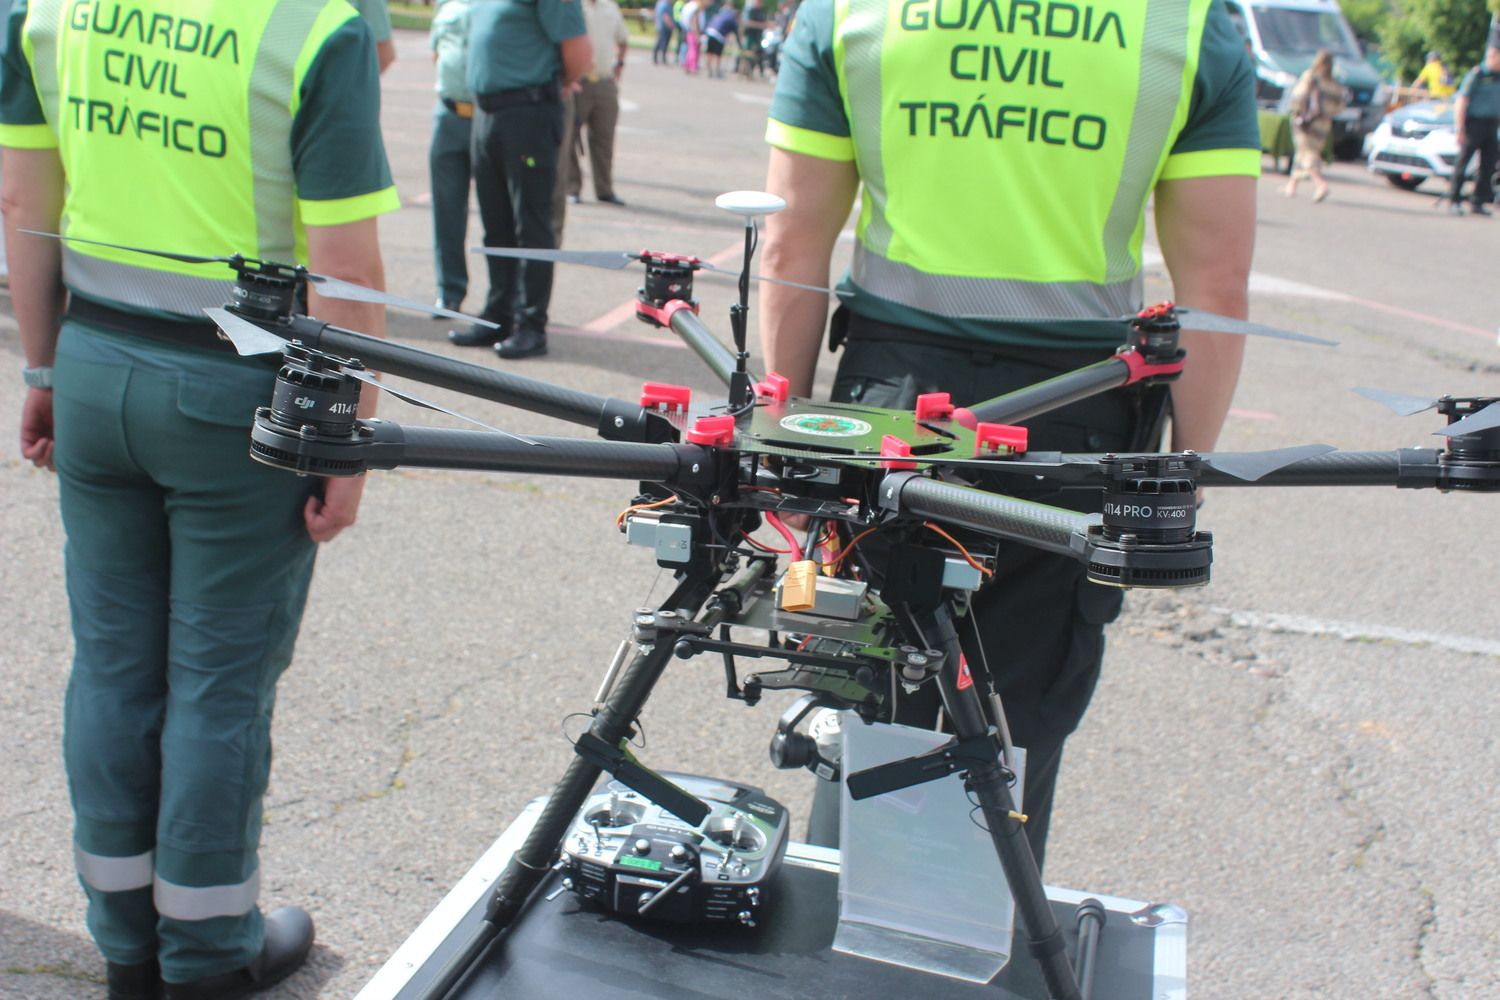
[611,724]
[990,784]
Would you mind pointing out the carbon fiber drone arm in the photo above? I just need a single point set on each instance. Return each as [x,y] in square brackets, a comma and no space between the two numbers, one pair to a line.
[612,418]
[1051,528]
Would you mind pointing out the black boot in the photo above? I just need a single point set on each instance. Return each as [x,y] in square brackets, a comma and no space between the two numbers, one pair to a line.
[476,335]
[522,344]
[141,981]
[289,938]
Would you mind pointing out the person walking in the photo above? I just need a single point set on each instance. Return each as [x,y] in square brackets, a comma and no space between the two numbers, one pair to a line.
[596,104]
[522,55]
[1316,99]
[1476,117]
[448,166]
[1155,102]
[188,563]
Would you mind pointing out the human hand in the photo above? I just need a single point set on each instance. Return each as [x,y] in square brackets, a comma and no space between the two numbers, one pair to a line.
[37,443]
[329,514]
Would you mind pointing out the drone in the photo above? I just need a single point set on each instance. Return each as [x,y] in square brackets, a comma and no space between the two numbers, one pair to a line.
[853,619]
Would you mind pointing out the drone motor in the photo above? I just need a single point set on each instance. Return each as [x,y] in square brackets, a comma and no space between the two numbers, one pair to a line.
[1148,537]
[311,417]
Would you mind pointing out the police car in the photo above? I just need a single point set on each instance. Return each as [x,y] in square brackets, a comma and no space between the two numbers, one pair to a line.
[1416,142]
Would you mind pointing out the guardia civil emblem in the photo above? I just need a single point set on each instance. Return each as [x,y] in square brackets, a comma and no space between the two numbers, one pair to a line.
[825,425]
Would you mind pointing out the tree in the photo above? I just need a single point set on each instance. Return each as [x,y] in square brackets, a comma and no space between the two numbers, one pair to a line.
[1456,28]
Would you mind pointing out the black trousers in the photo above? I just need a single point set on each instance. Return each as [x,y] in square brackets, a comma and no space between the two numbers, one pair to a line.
[1039,626]
[1479,136]
[515,168]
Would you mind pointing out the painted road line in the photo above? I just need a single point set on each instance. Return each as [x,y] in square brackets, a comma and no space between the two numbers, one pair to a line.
[1360,631]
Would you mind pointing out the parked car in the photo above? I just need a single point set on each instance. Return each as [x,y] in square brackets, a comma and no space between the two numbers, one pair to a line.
[1416,142]
[1284,35]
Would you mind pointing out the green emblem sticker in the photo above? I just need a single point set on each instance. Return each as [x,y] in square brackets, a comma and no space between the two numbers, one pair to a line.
[825,425]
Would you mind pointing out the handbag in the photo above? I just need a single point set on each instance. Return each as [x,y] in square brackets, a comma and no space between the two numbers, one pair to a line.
[1312,106]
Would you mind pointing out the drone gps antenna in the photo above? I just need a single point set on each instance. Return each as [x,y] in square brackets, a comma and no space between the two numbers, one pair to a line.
[750,205]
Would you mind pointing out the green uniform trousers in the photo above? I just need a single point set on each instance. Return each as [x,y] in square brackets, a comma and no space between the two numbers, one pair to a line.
[187,569]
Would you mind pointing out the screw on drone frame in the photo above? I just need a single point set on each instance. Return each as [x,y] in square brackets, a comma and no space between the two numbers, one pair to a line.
[750,205]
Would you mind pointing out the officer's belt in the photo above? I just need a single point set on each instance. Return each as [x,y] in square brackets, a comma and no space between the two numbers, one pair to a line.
[540,94]
[857,328]
[183,332]
[464,109]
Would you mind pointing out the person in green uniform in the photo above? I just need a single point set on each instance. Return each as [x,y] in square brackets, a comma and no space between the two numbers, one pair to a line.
[1476,116]
[187,563]
[522,54]
[1006,155]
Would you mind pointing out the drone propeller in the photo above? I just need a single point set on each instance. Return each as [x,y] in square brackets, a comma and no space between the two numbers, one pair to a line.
[1191,319]
[247,338]
[1253,465]
[416,400]
[336,288]
[1397,402]
[1480,420]
[184,258]
[1483,419]
[615,260]
[327,285]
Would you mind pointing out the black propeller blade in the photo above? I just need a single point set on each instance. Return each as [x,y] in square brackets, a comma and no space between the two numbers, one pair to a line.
[331,287]
[167,254]
[1480,420]
[247,338]
[1253,465]
[616,260]
[1396,402]
[336,288]
[416,400]
[1191,319]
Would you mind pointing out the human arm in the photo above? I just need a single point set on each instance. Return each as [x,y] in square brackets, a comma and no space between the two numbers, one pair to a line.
[1206,228]
[350,252]
[385,54]
[577,57]
[798,245]
[31,196]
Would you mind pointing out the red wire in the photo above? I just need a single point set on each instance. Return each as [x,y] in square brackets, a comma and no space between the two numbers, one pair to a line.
[762,546]
[786,533]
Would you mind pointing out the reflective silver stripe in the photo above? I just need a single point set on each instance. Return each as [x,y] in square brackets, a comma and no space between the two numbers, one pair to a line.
[113,874]
[142,287]
[270,101]
[182,902]
[44,23]
[860,38]
[959,297]
[1163,53]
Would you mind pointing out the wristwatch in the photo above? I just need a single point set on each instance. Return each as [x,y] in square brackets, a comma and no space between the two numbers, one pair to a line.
[37,378]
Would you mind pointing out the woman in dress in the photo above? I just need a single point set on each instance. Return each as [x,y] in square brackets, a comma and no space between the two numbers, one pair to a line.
[1316,98]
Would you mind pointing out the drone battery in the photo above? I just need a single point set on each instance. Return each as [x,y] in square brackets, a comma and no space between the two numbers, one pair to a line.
[831,598]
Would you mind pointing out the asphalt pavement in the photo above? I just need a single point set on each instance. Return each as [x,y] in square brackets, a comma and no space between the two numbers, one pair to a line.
[1301,754]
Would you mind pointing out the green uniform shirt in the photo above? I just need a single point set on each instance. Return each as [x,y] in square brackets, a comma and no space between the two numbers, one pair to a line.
[513,43]
[1003,105]
[449,38]
[1482,88]
[377,15]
